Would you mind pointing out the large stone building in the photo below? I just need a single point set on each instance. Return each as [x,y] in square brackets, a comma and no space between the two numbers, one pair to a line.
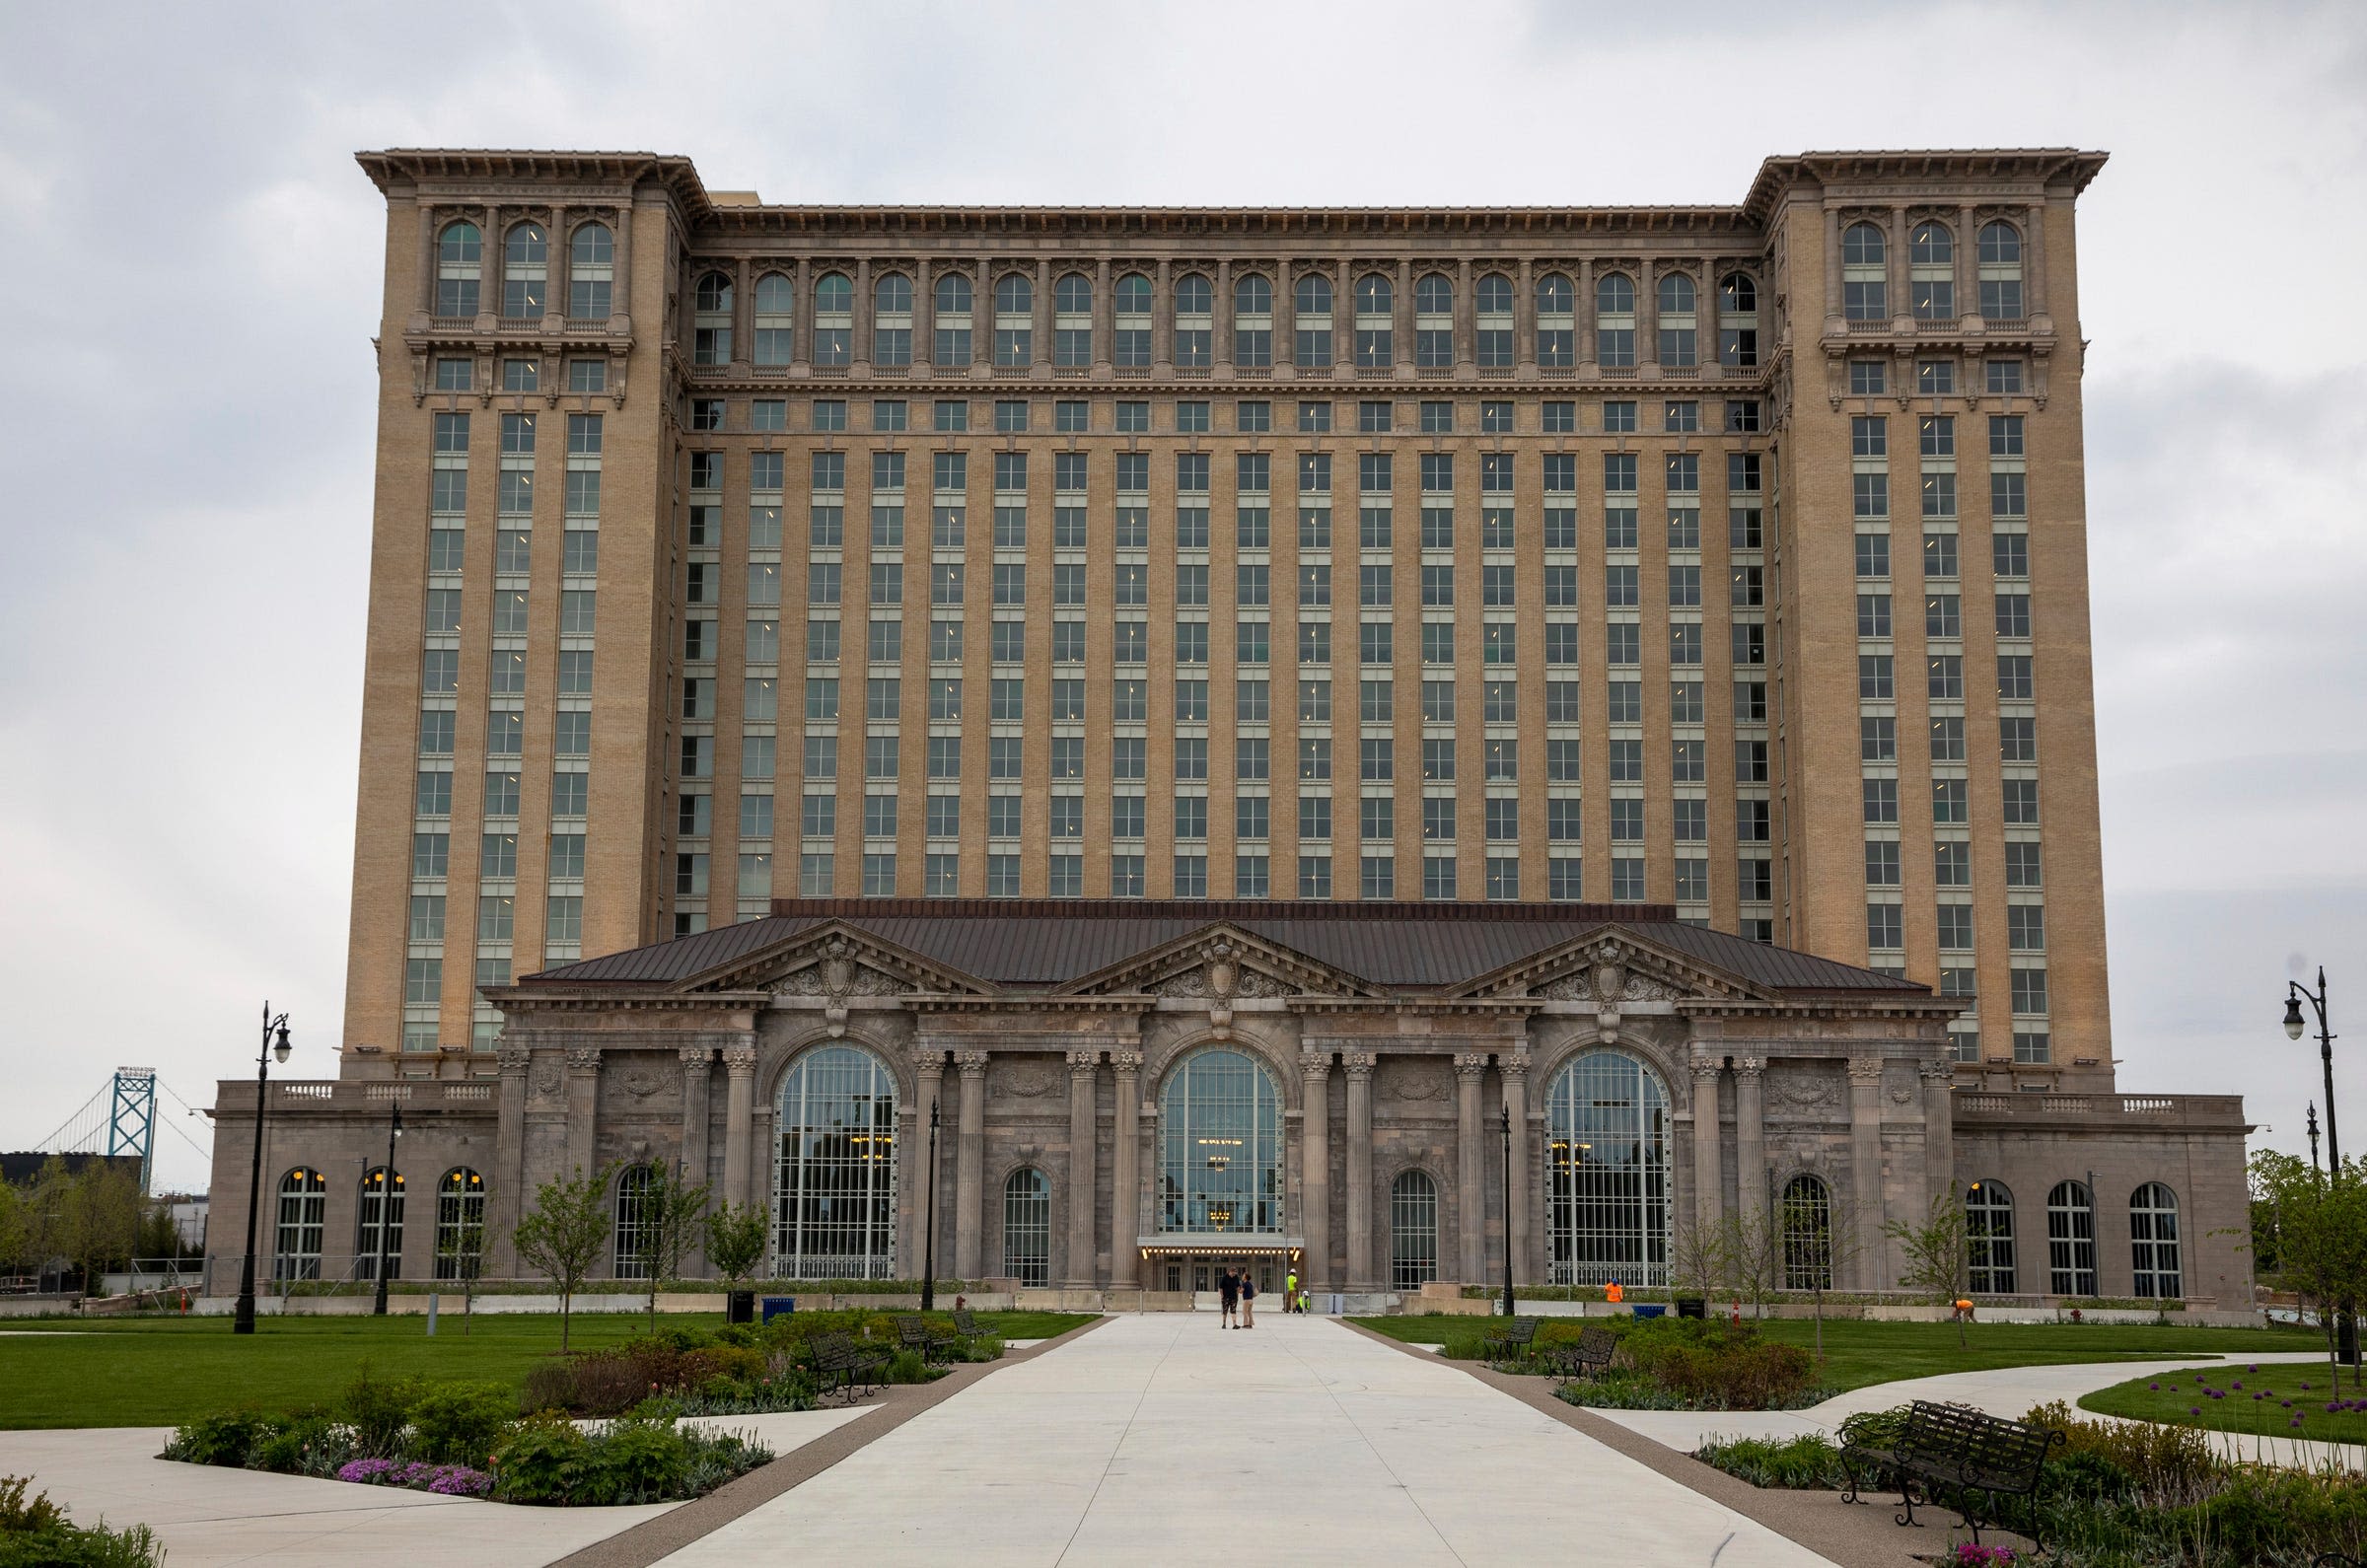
[1585,650]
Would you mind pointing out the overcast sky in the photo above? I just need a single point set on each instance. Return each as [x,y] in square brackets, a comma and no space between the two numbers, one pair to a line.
[189,270]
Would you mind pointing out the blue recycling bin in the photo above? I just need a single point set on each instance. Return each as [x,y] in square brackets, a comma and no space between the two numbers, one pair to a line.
[1650,1309]
[775,1306]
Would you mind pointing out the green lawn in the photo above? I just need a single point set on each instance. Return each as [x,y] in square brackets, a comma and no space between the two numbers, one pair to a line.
[1859,1353]
[161,1371]
[2180,1399]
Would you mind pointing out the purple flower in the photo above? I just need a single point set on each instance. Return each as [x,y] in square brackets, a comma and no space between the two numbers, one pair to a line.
[370,1472]
[2289,1405]
[2154,1387]
[2193,1409]
[2238,1383]
[2258,1398]
[2332,1408]
[2296,1421]
[2254,1368]
[2305,1384]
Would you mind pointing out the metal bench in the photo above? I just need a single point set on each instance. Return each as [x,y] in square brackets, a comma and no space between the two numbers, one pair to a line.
[1583,1357]
[916,1332]
[1957,1455]
[844,1364]
[966,1324]
[1511,1342]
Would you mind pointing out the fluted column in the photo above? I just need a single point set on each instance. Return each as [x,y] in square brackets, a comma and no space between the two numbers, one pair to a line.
[583,1109]
[1359,1065]
[693,1156]
[1515,1073]
[1750,1137]
[1125,1173]
[1709,1186]
[1314,1162]
[1939,1131]
[508,1198]
[912,1125]
[1084,1073]
[969,1158]
[1865,1168]
[739,1121]
[1470,1169]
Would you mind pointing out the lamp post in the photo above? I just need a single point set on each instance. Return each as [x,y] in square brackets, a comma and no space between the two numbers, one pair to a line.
[2313,1125]
[1505,1116]
[386,1207]
[928,1248]
[275,1045]
[2346,1332]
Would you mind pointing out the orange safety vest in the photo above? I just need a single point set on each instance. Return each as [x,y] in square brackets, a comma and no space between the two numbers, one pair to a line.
[1613,1293]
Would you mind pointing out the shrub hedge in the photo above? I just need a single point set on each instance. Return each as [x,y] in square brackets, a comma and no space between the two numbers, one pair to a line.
[36,1532]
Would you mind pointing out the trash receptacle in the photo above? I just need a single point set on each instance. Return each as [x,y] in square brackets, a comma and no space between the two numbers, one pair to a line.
[740,1307]
[1649,1308]
[1693,1307]
[775,1306]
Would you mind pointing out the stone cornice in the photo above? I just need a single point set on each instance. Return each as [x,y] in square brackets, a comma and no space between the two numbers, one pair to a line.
[1908,175]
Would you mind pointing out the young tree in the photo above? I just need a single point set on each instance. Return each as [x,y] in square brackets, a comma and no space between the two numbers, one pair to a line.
[1700,1258]
[566,1232]
[1753,1245]
[2321,1228]
[462,1245]
[16,1228]
[1817,1242]
[102,1220]
[736,1240]
[672,1216]
[1936,1256]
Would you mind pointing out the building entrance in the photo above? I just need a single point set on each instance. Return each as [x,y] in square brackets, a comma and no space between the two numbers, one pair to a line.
[1202,1273]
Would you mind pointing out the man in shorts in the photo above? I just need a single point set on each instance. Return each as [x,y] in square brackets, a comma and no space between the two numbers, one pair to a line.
[1228,1292]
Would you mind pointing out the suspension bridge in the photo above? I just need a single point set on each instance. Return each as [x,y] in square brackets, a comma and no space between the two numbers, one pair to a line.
[119,1118]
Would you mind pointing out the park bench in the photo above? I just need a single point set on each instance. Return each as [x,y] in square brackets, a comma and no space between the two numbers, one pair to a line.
[1589,1354]
[843,1363]
[913,1333]
[966,1324]
[1510,1343]
[1959,1455]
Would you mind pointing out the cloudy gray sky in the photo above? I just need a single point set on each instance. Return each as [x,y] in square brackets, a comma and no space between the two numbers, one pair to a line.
[189,281]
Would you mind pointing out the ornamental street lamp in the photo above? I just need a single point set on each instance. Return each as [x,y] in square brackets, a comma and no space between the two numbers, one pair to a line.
[2313,1125]
[386,1207]
[928,1261]
[2345,1329]
[1506,1116]
[276,1046]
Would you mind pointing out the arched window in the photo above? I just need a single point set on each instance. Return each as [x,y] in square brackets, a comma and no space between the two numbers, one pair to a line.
[633,1222]
[1028,1226]
[1220,1146]
[834,319]
[953,294]
[1678,344]
[1072,295]
[1195,322]
[1433,295]
[2001,272]
[1865,296]
[1738,295]
[2070,1240]
[377,1205]
[1433,321]
[775,320]
[1494,295]
[952,348]
[1931,272]
[1311,307]
[711,323]
[890,320]
[591,272]
[1376,335]
[2153,1241]
[1492,344]
[459,1224]
[1556,322]
[1989,1238]
[1014,294]
[1072,322]
[1738,322]
[1606,1172]
[833,1184]
[1131,345]
[1252,295]
[1254,320]
[1614,321]
[1413,1230]
[303,1211]
[1014,320]
[1807,1217]
[460,261]
[524,270]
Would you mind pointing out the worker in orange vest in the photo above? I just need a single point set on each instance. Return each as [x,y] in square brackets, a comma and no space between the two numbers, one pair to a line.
[1613,1293]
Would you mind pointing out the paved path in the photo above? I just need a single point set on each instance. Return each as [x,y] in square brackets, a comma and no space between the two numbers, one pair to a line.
[1161,1439]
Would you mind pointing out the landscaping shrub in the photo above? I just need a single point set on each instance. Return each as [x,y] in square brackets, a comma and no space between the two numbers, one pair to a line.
[226,1438]
[458,1423]
[1691,1364]
[34,1532]
[1803,1463]
[312,1443]
[538,1461]
[635,1461]
[378,1410]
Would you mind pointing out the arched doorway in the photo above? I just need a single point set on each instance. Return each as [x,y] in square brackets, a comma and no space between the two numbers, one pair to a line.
[833,1185]
[1606,1172]
[1220,1171]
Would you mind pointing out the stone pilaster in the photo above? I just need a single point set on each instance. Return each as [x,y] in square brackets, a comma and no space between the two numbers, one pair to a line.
[913,1126]
[1125,1173]
[1865,1169]
[1471,1168]
[583,1109]
[693,1154]
[1515,1072]
[1750,1138]
[1084,1074]
[1939,1129]
[1709,1181]
[739,1121]
[507,1201]
[1359,1065]
[1314,1160]
[969,1156]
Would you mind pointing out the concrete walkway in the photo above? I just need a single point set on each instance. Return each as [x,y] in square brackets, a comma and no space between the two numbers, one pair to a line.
[1163,1438]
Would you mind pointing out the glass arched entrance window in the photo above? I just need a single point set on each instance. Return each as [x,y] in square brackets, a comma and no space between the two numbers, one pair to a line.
[375,1204]
[459,1224]
[633,1221]
[2153,1241]
[1606,1172]
[1028,1226]
[834,1184]
[1412,1230]
[2070,1240]
[303,1209]
[1220,1147]
[1989,1238]
[1807,1215]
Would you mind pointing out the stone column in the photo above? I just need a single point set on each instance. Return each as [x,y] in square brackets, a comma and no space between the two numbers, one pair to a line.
[1749,1138]
[1523,315]
[1084,1131]
[1359,1065]
[859,340]
[1465,320]
[1865,1169]
[1104,318]
[427,295]
[1515,1072]
[1042,318]
[744,313]
[1939,1129]
[1832,262]
[2035,303]
[969,1156]
[1896,268]
[1709,1185]
[1647,314]
[583,1109]
[1967,267]
[507,1201]
[1470,1169]
[1126,1175]
[801,321]
[1163,317]
[924,344]
[928,1075]
[1314,1160]
[693,1159]
[1586,312]
[739,1121]
[620,288]
[1220,316]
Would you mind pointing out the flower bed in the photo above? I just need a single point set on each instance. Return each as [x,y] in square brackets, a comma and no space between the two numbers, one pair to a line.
[1691,1364]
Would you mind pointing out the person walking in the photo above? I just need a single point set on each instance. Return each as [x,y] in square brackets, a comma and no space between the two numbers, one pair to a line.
[1290,1292]
[1249,1301]
[1228,1293]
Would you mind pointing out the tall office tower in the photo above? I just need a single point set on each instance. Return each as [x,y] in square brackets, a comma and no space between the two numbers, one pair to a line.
[1727,558]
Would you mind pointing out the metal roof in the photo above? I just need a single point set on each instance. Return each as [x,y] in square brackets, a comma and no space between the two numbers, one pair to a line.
[1023,944]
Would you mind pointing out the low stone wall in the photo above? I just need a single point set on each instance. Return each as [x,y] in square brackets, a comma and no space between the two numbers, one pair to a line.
[363,1303]
[1901,1313]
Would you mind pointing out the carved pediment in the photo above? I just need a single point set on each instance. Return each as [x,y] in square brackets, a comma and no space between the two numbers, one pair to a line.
[1220,964]
[837,961]
[1614,970]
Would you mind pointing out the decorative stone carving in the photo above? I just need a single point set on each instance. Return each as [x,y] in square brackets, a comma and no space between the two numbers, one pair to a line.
[1750,1066]
[835,975]
[547,1080]
[1576,986]
[971,1063]
[515,1061]
[1469,1065]
[1025,1083]
[1940,1072]
[1314,1062]
[583,1060]
[1126,1062]
[1084,1064]
[696,1055]
[1865,1070]
[740,1061]
[1358,1064]
[643,1082]
[1901,1095]
[1252,983]
[1185,982]
[1417,1081]
[1514,1069]
[1808,1090]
